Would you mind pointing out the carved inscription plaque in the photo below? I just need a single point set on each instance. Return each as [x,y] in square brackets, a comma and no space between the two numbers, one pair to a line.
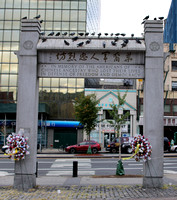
[91,64]
[95,71]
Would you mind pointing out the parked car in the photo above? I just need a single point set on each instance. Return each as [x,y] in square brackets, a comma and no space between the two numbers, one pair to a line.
[174,148]
[167,145]
[113,147]
[83,147]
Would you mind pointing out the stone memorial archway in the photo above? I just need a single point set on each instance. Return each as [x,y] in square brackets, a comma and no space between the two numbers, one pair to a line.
[90,57]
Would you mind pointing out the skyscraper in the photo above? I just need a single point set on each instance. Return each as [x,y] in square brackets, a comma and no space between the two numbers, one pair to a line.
[63,16]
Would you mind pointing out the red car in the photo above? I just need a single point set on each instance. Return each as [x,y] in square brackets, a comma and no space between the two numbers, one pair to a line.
[83,147]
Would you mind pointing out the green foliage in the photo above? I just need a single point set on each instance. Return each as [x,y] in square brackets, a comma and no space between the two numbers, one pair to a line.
[86,111]
[118,119]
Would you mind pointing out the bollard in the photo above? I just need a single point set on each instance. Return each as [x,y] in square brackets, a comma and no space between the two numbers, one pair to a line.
[36,169]
[75,168]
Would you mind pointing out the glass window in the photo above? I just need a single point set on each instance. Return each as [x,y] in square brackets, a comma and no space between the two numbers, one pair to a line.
[42,13]
[32,14]
[54,90]
[80,90]
[46,90]
[40,82]
[1,14]
[5,68]
[74,4]
[48,26]
[65,15]
[1,33]
[16,15]
[174,65]
[81,26]
[66,4]
[57,4]
[7,24]
[82,5]
[15,35]
[4,89]
[54,82]
[5,57]
[46,82]
[74,15]
[71,90]
[73,26]
[174,85]
[49,15]
[57,26]
[14,45]
[25,3]
[80,82]
[167,108]
[41,4]
[71,82]
[82,15]
[7,35]
[24,13]
[14,58]
[57,15]
[8,14]
[1,24]
[33,4]
[17,3]
[13,68]
[13,80]
[4,79]
[14,91]
[63,90]
[16,25]
[63,82]
[3,2]
[50,4]
[174,108]
[9,3]
[141,109]
[6,46]
[65,26]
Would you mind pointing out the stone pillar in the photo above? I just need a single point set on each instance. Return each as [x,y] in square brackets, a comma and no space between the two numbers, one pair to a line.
[153,103]
[27,102]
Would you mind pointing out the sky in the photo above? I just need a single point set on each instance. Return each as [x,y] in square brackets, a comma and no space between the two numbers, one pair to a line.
[126,16]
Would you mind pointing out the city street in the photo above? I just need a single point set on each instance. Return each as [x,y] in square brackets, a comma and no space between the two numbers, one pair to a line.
[86,166]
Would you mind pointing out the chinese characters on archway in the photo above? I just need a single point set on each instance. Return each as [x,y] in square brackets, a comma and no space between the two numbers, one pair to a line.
[103,56]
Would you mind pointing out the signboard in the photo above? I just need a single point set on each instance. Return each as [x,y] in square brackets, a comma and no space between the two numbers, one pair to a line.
[91,64]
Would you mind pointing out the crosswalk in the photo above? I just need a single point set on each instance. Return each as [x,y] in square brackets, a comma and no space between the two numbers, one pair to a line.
[64,167]
[86,167]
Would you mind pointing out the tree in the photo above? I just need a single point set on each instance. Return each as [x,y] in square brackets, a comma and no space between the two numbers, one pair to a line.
[118,119]
[86,111]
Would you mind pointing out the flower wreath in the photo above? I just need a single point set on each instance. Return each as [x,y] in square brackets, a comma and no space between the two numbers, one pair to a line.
[141,148]
[16,146]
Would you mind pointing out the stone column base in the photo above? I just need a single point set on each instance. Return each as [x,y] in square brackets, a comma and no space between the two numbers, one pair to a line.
[24,182]
[152,182]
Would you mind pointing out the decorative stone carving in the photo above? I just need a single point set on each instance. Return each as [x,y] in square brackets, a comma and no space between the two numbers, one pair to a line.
[28,45]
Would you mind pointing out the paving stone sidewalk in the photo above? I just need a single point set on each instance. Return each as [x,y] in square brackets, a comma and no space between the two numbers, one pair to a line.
[101,192]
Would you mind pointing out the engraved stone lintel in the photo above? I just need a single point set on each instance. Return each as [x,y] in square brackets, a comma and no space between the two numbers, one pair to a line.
[92,70]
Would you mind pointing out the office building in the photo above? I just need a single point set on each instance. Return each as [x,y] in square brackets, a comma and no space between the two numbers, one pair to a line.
[55,94]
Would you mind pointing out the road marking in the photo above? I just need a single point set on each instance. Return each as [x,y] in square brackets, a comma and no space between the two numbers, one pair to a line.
[169,172]
[3,173]
[69,173]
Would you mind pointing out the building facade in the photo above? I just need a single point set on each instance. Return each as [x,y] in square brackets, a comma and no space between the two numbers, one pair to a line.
[170,29]
[55,94]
